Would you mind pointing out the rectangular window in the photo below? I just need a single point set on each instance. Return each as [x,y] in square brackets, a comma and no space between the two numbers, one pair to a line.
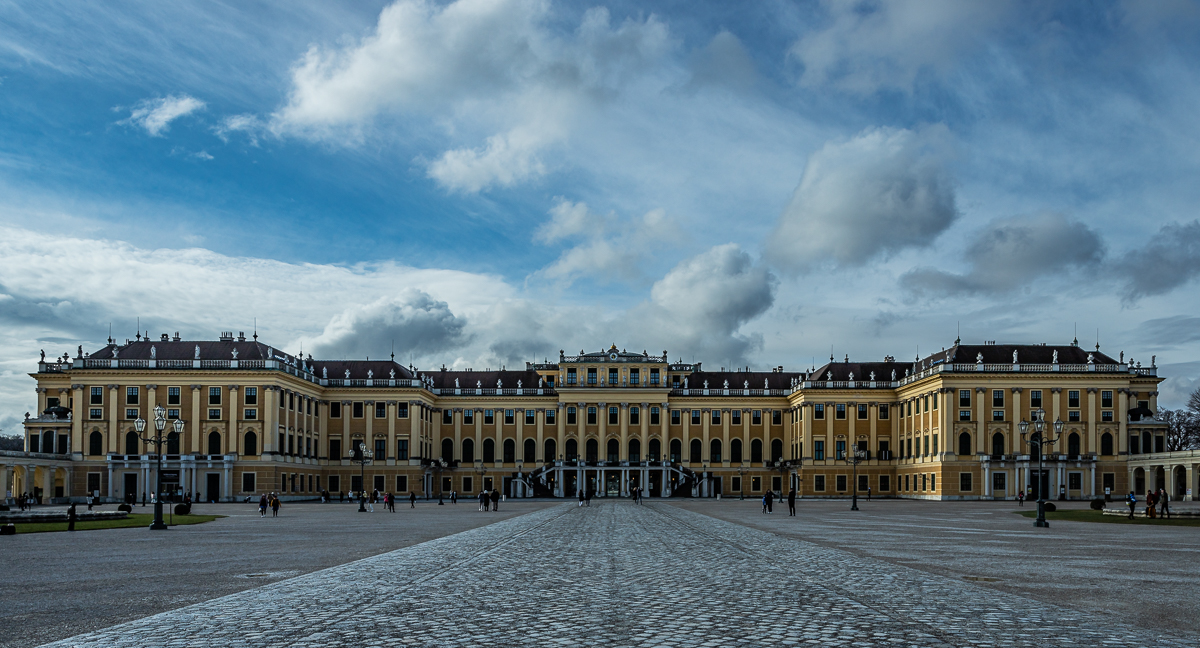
[380,449]
[214,395]
[380,409]
[468,416]
[839,411]
[755,484]
[756,417]
[932,482]
[173,396]
[1074,481]
[935,444]
[98,396]
[572,419]
[131,414]
[96,413]
[214,414]
[614,416]
[572,377]
[509,417]
[695,417]
[885,483]
[1105,399]
[591,378]
[862,412]
[716,417]
[252,395]
[131,395]
[247,482]
[654,376]
[840,483]
[925,446]
[935,403]
[818,483]
[530,417]
[924,404]
[447,417]
[1073,398]
[401,483]
[776,417]
[250,414]
[964,398]
[819,411]
[551,419]
[819,450]
[335,409]
[840,450]
[1035,398]
[675,381]
[675,417]
[489,417]
[357,411]
[907,405]
[997,398]
[883,412]
[655,419]
[402,449]
[997,415]
[736,417]
[402,409]
[964,482]
[1073,416]
[468,484]
[612,376]
[776,483]
[635,416]
[735,483]
[1106,416]
[964,415]
[634,376]
[591,415]
[1109,480]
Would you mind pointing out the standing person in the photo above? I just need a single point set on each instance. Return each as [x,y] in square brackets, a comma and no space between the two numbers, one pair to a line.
[764,503]
[580,492]
[262,506]
[1163,498]
[1132,501]
[495,500]
[274,505]
[868,493]
[341,496]
[587,500]
[71,518]
[770,501]
[792,503]
[143,498]
[454,497]
[89,502]
[1151,502]
[1021,497]
[412,499]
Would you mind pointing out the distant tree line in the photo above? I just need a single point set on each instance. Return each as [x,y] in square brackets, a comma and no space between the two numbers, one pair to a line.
[1183,425]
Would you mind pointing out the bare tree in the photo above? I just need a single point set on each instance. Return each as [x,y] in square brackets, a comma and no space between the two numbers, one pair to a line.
[1183,429]
[1193,403]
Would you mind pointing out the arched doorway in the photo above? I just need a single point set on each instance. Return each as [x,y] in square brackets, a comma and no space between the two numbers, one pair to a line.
[964,444]
[676,451]
[551,452]
[572,449]
[997,444]
[612,452]
[95,443]
[489,450]
[529,452]
[695,451]
[250,443]
[510,451]
[655,452]
[132,441]
[214,443]
[1139,482]
[714,450]
[776,450]
[173,442]
[468,451]
[1106,444]
[592,450]
[448,449]
[735,451]
[756,455]
[1073,445]
[635,450]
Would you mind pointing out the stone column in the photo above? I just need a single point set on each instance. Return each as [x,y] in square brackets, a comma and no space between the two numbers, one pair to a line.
[601,450]
[391,433]
[519,442]
[623,450]
[561,418]
[1190,482]
[1122,415]
[705,422]
[539,448]
[270,418]
[79,408]
[725,414]
[111,483]
[478,416]
[114,421]
[686,442]
[981,444]
[644,437]
[197,423]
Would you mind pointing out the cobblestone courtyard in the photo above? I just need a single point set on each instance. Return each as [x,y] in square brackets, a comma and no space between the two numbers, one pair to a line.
[619,574]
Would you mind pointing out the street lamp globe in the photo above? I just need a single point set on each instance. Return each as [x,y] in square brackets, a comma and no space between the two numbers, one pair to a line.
[177,426]
[159,412]
[139,425]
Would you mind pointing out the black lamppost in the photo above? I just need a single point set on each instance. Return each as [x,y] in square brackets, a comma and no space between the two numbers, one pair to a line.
[1039,438]
[160,424]
[742,470]
[853,457]
[362,458]
[480,470]
[783,467]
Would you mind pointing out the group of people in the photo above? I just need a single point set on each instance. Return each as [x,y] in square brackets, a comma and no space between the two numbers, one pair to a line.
[1157,503]
[489,500]
[768,502]
[268,500]
[26,501]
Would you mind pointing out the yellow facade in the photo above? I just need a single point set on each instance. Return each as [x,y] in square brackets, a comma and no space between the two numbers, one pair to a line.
[259,420]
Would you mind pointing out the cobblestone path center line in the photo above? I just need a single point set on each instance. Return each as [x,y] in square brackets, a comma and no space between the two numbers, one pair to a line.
[617,574]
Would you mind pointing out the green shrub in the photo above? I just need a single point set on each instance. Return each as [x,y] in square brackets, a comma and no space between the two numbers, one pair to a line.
[1097,505]
[1050,507]
[183,509]
[125,507]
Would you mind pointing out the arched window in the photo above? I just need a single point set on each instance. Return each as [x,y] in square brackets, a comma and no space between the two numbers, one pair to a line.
[132,442]
[95,443]
[1106,444]
[695,450]
[48,441]
[172,443]
[250,443]
[468,451]
[676,451]
[613,450]
[735,451]
[964,443]
[572,449]
[530,451]
[756,451]
[635,450]
[551,451]
[998,444]
[593,450]
[214,443]
[1073,444]
[448,449]
[655,451]
[777,450]
[714,450]
[510,451]
[489,450]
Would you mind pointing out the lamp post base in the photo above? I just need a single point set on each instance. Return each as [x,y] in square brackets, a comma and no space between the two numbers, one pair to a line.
[854,502]
[159,526]
[1041,518]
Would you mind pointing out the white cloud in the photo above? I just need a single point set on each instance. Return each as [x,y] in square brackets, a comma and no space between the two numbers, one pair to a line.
[156,115]
[880,192]
[868,46]
[412,321]
[249,124]
[608,247]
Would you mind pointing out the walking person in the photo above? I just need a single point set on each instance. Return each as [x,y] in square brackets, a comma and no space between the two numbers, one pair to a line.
[1132,501]
[1151,502]
[412,499]
[587,500]
[1021,497]
[770,502]
[495,500]
[262,506]
[868,493]
[274,505]
[454,497]
[792,503]
[1164,508]
[71,517]
[580,498]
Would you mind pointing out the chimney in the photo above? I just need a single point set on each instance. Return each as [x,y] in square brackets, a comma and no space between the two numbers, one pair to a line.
[176,338]
[226,336]
[165,337]
[241,336]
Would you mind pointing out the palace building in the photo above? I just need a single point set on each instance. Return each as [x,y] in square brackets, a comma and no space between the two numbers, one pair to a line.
[256,419]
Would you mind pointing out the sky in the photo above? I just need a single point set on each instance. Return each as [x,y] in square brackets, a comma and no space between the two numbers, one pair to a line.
[481,183]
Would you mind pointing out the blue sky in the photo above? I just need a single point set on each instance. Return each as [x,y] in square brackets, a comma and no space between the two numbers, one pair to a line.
[483,182]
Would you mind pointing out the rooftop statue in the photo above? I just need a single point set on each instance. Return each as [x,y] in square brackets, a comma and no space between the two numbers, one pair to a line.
[324,372]
[347,374]
[235,355]
[979,358]
[196,355]
[153,352]
[392,374]
[872,376]
[370,374]
[1014,356]
[1054,358]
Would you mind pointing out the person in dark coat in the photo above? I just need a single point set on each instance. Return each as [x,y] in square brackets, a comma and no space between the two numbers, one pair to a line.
[770,501]
[71,516]
[792,502]
[495,500]
[412,499]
